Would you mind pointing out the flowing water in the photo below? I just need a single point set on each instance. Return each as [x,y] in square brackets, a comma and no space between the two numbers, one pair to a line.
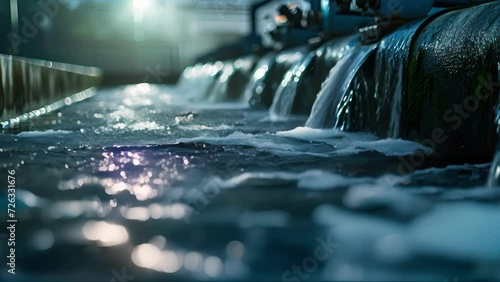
[257,81]
[231,82]
[494,178]
[141,182]
[268,75]
[284,97]
[392,60]
[326,109]
[151,183]
[198,81]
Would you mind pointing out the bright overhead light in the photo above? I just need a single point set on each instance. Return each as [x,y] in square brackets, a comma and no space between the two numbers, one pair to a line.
[141,4]
[140,7]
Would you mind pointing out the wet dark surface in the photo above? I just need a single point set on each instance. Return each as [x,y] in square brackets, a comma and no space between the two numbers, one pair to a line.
[140,181]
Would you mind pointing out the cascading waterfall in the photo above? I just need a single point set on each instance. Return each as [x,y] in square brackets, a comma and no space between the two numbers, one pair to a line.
[301,84]
[311,82]
[285,95]
[335,89]
[106,187]
[374,98]
[269,74]
[396,105]
[219,88]
[392,59]
[230,83]
[257,83]
[494,177]
[203,76]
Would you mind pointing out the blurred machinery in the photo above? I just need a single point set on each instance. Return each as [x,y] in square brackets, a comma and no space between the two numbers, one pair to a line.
[430,56]
[326,19]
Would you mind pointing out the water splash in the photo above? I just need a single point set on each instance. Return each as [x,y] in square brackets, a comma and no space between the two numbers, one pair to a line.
[336,88]
[287,91]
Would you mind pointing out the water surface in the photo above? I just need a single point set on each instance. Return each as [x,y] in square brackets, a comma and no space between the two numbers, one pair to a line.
[140,180]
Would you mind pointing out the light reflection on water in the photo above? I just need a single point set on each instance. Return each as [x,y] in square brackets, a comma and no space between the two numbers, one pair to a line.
[118,196]
[175,211]
[104,233]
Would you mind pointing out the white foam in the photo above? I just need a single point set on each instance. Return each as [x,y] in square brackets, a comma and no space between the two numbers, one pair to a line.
[220,106]
[307,133]
[259,178]
[32,134]
[353,143]
[335,143]
[316,180]
[200,127]
[146,126]
[235,136]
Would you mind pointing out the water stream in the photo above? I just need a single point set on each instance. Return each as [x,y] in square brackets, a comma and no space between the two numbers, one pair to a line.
[287,91]
[195,191]
[257,83]
[494,177]
[392,60]
[269,74]
[335,89]
[191,182]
